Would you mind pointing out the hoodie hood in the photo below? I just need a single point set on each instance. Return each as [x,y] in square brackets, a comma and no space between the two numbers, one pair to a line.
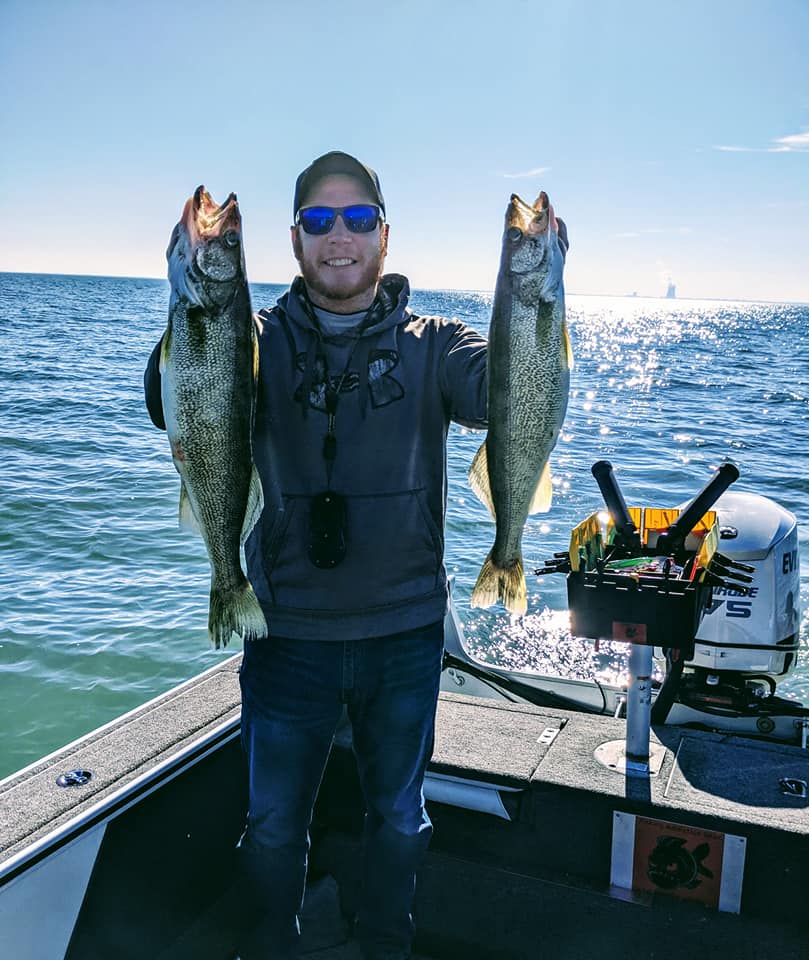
[387,311]
[369,354]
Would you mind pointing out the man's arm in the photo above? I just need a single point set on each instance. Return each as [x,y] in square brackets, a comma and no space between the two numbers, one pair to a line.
[463,376]
[152,388]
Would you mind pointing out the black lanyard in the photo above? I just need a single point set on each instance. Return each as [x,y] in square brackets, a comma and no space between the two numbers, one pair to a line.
[332,402]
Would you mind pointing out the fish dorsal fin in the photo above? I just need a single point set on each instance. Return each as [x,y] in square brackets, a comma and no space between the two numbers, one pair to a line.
[479,479]
[567,345]
[188,519]
[541,500]
[255,504]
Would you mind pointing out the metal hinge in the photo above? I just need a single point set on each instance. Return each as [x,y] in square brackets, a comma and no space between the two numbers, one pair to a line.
[548,736]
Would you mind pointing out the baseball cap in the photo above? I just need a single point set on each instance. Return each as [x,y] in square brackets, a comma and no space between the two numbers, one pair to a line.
[336,162]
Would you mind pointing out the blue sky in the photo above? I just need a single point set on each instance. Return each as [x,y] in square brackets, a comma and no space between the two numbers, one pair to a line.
[672,136]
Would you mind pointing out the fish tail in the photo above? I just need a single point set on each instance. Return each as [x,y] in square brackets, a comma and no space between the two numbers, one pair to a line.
[501,583]
[235,610]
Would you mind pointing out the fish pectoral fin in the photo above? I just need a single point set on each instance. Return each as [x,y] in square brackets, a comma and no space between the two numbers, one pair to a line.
[255,504]
[479,479]
[188,519]
[541,500]
[568,347]
[165,346]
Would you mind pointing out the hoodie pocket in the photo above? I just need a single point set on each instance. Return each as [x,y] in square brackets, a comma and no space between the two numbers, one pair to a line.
[394,552]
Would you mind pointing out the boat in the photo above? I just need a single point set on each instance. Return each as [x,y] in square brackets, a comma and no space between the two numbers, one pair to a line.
[571,816]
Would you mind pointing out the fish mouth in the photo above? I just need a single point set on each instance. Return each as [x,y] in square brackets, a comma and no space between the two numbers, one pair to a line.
[204,219]
[529,243]
[206,245]
[529,220]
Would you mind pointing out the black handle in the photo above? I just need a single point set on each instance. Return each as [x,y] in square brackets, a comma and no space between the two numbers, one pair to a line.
[671,541]
[616,505]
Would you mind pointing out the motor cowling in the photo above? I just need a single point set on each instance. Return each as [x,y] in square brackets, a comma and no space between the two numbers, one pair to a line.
[754,630]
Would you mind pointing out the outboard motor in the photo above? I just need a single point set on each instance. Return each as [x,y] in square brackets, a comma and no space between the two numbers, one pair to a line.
[754,630]
[749,635]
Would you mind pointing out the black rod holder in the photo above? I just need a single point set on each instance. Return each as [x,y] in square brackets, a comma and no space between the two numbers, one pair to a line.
[673,539]
[616,505]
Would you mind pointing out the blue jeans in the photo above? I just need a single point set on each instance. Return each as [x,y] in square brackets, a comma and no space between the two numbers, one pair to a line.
[293,693]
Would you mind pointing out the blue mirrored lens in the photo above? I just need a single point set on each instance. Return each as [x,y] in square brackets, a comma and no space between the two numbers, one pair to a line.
[317,220]
[360,218]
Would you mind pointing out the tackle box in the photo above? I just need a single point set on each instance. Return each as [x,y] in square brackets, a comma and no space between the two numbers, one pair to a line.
[640,597]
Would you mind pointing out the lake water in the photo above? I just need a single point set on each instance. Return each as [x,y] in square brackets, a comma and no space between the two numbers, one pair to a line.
[103,600]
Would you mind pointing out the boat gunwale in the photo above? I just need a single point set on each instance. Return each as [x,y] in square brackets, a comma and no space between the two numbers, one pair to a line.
[121,799]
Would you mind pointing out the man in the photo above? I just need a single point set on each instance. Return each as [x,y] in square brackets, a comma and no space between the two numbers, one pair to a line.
[355,398]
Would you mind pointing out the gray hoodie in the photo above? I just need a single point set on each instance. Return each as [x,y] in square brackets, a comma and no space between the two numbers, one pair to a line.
[402,380]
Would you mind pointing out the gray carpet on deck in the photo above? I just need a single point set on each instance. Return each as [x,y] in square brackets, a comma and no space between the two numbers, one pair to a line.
[492,742]
[116,756]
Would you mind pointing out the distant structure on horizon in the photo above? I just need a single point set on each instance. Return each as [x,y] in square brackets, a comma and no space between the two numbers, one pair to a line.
[671,290]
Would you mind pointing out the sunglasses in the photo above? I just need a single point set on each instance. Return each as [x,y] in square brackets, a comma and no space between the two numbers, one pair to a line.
[358,218]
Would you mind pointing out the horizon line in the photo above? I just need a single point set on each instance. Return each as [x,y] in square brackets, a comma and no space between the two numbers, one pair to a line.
[569,293]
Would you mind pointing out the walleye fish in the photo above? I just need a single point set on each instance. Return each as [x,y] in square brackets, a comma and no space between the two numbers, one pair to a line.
[529,362]
[208,366]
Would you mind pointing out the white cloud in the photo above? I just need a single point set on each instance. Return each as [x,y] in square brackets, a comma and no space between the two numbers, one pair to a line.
[536,172]
[794,143]
[797,141]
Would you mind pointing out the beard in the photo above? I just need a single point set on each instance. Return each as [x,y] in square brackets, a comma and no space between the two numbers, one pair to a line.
[335,286]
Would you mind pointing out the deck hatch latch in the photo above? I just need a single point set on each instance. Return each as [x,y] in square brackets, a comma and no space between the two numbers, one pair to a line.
[75,778]
[791,787]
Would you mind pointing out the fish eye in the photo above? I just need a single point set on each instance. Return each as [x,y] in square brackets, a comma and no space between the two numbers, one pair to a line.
[231,238]
[514,234]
